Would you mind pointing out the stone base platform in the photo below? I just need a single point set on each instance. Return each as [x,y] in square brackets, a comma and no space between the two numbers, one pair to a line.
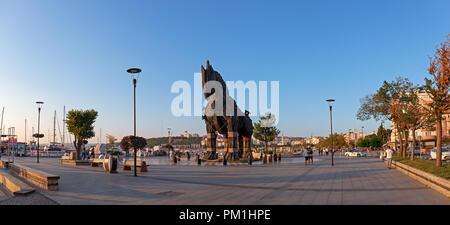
[69,162]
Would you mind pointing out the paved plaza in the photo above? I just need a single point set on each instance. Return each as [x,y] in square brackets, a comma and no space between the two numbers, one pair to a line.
[350,181]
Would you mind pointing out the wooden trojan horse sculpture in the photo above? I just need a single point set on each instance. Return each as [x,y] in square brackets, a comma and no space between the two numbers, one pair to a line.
[235,126]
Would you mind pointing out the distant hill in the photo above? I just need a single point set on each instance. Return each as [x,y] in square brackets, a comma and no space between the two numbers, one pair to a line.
[175,140]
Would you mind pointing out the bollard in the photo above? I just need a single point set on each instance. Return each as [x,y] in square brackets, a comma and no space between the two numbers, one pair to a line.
[114,164]
[279,157]
[224,161]
[275,157]
[249,160]
[264,159]
[174,159]
[199,161]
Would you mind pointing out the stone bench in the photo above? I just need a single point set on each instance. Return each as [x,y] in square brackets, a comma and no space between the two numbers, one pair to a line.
[128,164]
[3,164]
[14,185]
[70,162]
[97,162]
[39,178]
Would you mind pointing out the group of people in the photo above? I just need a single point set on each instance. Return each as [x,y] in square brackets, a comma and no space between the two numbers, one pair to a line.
[323,152]
[309,156]
[87,154]
[309,152]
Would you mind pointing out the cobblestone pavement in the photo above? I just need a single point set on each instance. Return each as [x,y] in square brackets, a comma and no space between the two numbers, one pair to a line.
[350,181]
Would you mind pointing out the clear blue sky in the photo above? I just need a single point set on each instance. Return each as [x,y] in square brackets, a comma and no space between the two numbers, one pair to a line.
[75,53]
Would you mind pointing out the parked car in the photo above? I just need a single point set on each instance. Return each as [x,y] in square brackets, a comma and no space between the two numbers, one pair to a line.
[416,150]
[445,153]
[355,154]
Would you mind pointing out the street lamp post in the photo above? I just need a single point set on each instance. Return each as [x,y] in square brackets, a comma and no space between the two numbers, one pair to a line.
[362,132]
[134,72]
[330,103]
[39,105]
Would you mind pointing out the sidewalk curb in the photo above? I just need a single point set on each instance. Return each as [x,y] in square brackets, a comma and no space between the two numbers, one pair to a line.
[439,184]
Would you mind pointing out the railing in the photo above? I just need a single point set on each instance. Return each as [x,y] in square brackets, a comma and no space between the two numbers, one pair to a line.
[49,154]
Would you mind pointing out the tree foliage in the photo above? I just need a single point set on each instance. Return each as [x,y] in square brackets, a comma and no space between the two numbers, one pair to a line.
[385,104]
[175,141]
[384,134]
[373,141]
[80,123]
[437,88]
[378,106]
[338,141]
[133,142]
[265,129]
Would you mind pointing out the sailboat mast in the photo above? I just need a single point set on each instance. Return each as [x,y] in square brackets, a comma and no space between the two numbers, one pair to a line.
[54,128]
[1,125]
[64,126]
[25,131]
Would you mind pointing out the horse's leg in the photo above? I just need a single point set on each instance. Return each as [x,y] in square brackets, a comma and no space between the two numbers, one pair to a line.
[226,154]
[210,144]
[232,137]
[241,146]
[233,145]
[246,147]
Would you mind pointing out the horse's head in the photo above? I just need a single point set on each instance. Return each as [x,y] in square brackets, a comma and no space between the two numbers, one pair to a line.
[209,74]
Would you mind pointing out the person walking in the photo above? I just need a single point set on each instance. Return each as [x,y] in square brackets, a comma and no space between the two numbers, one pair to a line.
[305,152]
[171,155]
[389,154]
[310,156]
[382,154]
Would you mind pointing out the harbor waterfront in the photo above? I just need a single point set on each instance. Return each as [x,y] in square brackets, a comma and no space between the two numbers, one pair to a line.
[224,112]
[362,180]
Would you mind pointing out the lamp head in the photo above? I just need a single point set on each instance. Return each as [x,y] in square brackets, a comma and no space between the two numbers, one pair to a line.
[330,102]
[134,72]
[39,104]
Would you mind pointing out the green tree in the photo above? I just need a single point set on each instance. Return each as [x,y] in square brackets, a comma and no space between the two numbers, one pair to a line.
[385,105]
[265,129]
[373,141]
[384,134]
[80,123]
[338,142]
